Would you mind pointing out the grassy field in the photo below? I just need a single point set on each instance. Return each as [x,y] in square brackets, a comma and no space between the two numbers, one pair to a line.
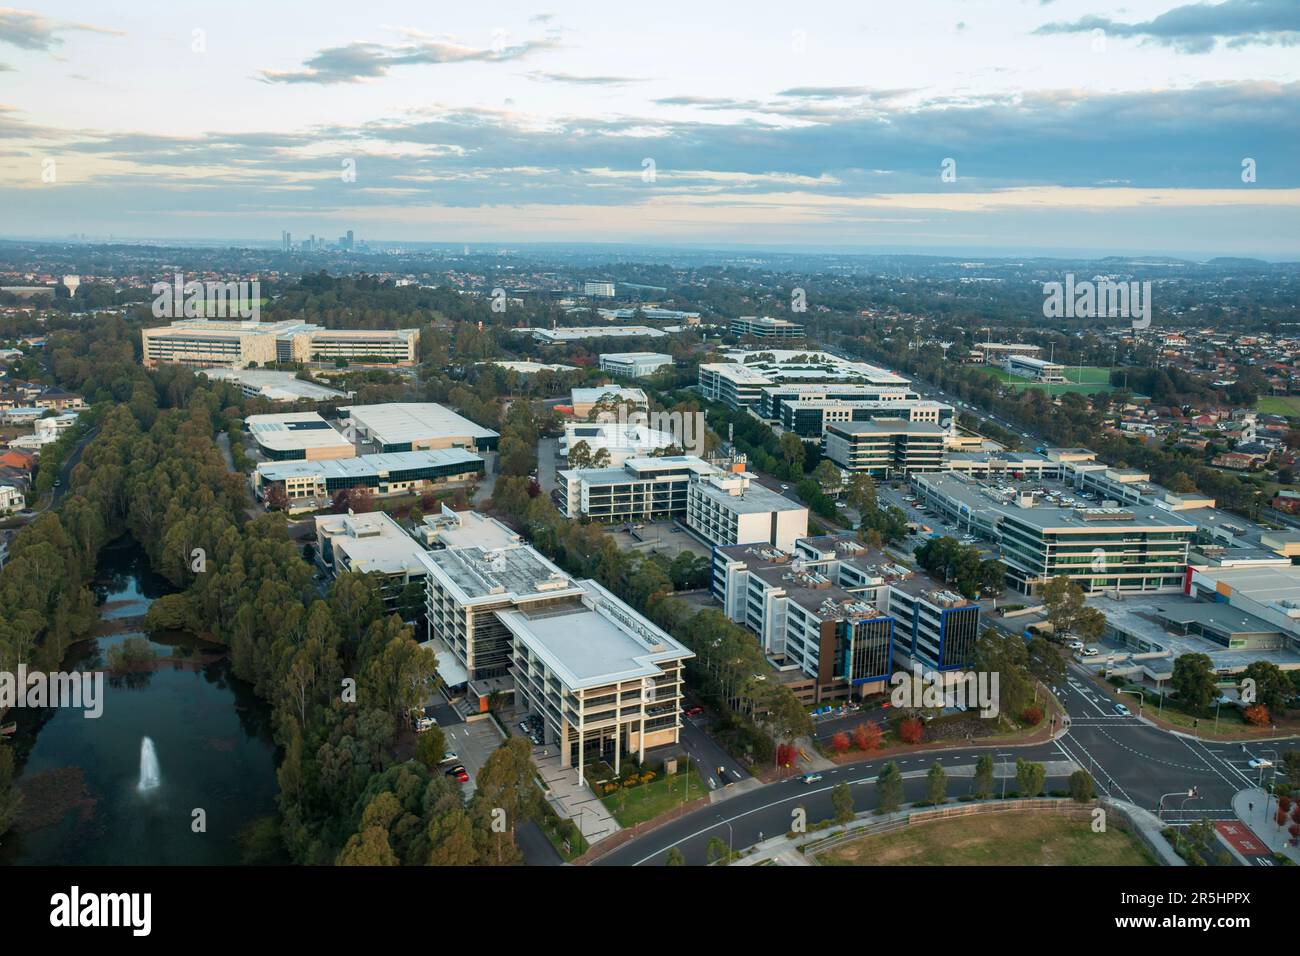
[633,805]
[1279,405]
[1088,379]
[1029,838]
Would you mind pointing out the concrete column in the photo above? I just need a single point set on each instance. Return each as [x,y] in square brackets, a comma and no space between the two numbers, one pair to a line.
[564,742]
[618,711]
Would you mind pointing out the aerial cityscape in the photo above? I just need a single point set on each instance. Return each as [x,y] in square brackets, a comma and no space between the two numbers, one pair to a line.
[583,438]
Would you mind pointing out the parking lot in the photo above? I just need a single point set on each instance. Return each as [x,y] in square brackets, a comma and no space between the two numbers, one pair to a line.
[471,741]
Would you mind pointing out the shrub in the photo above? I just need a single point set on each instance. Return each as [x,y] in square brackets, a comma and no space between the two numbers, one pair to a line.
[910,730]
[1032,714]
[1256,714]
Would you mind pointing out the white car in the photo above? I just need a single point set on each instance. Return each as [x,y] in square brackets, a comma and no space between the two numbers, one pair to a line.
[449,757]
[1259,763]
[1076,645]
[424,723]
[1123,711]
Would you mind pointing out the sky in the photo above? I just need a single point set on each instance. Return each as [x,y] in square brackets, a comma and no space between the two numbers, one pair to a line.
[1139,127]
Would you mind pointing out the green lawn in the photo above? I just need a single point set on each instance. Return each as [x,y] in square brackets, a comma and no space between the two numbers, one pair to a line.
[645,801]
[1015,838]
[1279,405]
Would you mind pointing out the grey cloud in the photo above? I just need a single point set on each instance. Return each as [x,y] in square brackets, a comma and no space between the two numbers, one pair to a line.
[355,62]
[583,80]
[32,31]
[1199,27]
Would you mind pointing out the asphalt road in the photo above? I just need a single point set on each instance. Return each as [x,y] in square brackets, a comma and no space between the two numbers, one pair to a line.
[1128,758]
[749,817]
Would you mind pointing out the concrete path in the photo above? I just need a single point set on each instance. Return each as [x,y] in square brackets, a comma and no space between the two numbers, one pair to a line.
[574,800]
[1258,810]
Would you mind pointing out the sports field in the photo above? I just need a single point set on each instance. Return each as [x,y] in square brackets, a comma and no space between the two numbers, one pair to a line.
[1089,379]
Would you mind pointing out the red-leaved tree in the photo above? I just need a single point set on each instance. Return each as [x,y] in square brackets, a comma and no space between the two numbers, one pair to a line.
[840,742]
[867,736]
[910,730]
[1256,714]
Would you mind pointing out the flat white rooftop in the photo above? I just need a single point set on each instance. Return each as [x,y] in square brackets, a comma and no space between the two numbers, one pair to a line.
[276,386]
[598,641]
[365,466]
[372,542]
[578,332]
[398,423]
[295,431]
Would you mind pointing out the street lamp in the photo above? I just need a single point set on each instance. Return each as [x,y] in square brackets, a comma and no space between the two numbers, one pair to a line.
[1140,696]
[1004,779]
[1160,808]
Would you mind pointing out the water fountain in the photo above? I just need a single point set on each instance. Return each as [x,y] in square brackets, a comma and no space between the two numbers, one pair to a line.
[149,779]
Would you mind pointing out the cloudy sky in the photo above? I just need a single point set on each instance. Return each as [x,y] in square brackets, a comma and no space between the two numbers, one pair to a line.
[980,125]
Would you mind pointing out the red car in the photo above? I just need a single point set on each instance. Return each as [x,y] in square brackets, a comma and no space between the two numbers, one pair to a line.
[458,774]
[693,711]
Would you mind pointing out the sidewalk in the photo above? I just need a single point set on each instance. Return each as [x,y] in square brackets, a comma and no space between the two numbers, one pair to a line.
[1261,820]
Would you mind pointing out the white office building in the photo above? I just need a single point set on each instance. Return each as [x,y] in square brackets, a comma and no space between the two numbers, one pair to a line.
[730,508]
[621,440]
[640,489]
[634,364]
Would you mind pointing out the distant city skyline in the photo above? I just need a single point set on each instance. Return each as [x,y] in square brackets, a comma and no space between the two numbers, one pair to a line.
[1152,127]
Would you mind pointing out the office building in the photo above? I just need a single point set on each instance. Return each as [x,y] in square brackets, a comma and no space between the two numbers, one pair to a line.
[640,489]
[469,584]
[774,401]
[766,328]
[297,436]
[619,440]
[310,485]
[584,400]
[740,380]
[370,544]
[845,615]
[238,344]
[598,290]
[582,332]
[885,447]
[1101,549]
[414,426]
[809,419]
[634,364]
[731,508]
[605,680]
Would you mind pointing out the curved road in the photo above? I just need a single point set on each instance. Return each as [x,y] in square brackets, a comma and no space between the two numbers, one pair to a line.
[1128,758]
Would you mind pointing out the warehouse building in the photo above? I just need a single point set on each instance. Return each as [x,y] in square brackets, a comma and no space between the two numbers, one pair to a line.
[310,485]
[297,436]
[414,426]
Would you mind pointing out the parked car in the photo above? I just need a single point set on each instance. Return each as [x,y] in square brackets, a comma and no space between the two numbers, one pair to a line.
[810,777]
[457,773]
[1123,711]
[1076,645]
[693,711]
[1092,652]
[424,723]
